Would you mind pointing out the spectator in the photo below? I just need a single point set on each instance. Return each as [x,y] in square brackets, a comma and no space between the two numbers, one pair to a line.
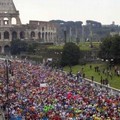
[38,92]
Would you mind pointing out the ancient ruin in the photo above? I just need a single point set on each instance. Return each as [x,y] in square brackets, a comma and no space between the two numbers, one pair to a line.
[11,27]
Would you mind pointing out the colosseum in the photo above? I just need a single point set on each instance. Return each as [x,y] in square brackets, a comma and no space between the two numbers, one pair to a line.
[11,27]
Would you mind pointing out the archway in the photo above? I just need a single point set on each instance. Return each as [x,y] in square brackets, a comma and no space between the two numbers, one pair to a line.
[6,21]
[32,34]
[22,35]
[43,36]
[6,35]
[46,36]
[7,49]
[14,35]
[49,36]
[39,35]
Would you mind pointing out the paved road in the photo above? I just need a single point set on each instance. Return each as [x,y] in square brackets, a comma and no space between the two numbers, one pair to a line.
[1,116]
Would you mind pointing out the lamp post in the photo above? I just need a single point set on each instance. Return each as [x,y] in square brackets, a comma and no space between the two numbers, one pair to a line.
[7,76]
[7,82]
[7,85]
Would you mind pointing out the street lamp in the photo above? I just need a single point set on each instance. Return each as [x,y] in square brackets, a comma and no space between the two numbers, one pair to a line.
[7,76]
[7,85]
[7,72]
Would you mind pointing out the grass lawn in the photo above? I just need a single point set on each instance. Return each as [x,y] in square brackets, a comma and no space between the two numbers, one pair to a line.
[83,46]
[55,47]
[114,82]
[86,45]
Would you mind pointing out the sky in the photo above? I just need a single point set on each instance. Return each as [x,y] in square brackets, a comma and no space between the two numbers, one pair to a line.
[104,11]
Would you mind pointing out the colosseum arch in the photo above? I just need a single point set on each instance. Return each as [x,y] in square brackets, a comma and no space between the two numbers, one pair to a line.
[6,49]
[49,36]
[43,36]
[14,35]
[39,35]
[46,36]
[5,21]
[32,34]
[6,35]
[22,35]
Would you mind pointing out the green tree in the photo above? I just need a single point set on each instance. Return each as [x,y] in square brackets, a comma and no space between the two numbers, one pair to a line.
[18,46]
[115,49]
[110,48]
[70,55]
[32,47]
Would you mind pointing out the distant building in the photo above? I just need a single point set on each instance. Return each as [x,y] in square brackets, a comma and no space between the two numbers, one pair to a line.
[95,31]
[73,30]
[11,27]
[92,31]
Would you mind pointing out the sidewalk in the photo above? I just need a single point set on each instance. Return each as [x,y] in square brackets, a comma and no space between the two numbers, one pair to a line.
[1,116]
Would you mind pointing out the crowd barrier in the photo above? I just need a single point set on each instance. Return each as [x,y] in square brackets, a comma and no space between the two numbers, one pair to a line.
[2,117]
[97,85]
[110,90]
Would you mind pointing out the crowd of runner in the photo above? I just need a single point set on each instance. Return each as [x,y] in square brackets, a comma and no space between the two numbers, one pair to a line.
[38,92]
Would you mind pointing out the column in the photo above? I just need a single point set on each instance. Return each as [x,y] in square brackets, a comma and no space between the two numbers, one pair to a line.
[43,35]
[2,49]
[10,36]
[51,36]
[36,35]
[48,37]
[10,21]
[2,36]
[40,35]
[18,35]
[2,23]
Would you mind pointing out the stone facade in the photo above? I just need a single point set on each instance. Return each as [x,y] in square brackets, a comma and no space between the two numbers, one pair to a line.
[69,30]
[12,29]
[75,31]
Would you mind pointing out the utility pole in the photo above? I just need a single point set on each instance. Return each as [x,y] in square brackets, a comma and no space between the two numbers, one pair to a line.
[7,83]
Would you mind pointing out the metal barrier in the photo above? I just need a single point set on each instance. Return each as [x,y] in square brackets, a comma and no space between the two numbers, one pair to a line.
[2,116]
[111,90]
